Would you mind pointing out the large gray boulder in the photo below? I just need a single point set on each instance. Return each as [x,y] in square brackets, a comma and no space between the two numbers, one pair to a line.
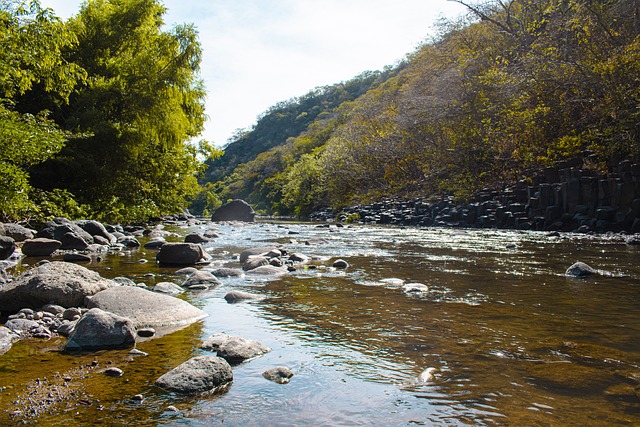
[235,210]
[201,278]
[172,253]
[56,282]
[145,308]
[7,247]
[40,246]
[17,232]
[99,329]
[236,350]
[260,250]
[254,262]
[70,234]
[96,229]
[196,375]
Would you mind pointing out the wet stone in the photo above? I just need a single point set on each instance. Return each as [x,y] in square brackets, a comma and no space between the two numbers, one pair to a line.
[279,374]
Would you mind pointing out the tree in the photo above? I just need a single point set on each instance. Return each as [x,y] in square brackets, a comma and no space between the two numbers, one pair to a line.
[31,43]
[142,103]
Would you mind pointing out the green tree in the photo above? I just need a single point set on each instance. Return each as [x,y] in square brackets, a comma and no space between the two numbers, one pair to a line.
[142,103]
[31,43]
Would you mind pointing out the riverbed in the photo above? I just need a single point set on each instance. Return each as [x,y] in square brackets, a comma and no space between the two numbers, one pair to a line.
[512,340]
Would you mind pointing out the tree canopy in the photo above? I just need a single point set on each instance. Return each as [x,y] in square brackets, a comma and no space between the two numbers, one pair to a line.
[102,108]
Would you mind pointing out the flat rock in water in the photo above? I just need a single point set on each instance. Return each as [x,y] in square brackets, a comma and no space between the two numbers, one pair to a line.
[227,272]
[279,374]
[267,270]
[73,257]
[168,288]
[237,350]
[40,246]
[238,296]
[200,278]
[196,375]
[145,308]
[580,269]
[99,329]
[260,250]
[59,283]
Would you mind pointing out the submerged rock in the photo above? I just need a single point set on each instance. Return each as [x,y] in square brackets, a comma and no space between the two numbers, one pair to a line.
[99,329]
[197,375]
[227,272]
[267,270]
[427,376]
[238,296]
[340,264]
[580,269]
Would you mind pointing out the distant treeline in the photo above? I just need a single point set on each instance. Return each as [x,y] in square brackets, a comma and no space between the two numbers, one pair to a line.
[509,88]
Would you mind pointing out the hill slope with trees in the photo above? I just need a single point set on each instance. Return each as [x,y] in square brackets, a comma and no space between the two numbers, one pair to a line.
[510,88]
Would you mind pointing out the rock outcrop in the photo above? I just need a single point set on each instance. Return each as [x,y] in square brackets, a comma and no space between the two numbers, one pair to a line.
[172,253]
[196,375]
[60,283]
[146,309]
[99,329]
[235,210]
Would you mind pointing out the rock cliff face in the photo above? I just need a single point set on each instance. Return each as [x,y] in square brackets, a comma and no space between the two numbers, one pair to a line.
[562,199]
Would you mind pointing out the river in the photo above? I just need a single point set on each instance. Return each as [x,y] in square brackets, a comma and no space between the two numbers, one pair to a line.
[513,341]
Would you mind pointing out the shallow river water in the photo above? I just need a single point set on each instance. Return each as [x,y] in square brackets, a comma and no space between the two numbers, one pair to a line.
[514,342]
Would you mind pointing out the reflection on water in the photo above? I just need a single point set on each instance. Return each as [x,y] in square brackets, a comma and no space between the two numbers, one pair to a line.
[514,342]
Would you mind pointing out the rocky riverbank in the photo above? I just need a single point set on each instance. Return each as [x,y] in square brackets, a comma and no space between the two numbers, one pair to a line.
[565,198]
[57,298]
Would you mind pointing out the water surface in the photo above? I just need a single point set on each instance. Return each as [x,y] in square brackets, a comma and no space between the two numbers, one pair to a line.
[514,342]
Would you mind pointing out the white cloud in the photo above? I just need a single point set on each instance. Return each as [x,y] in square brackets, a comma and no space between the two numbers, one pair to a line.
[259,52]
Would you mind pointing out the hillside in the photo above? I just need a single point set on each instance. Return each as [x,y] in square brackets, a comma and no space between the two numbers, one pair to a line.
[507,89]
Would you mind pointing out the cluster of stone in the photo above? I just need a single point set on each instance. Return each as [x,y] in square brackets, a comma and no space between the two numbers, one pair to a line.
[567,199]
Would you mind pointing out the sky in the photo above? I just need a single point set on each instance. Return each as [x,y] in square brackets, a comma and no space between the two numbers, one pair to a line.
[257,53]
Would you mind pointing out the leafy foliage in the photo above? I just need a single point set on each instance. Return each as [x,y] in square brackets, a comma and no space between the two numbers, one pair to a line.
[31,45]
[140,105]
[510,88]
